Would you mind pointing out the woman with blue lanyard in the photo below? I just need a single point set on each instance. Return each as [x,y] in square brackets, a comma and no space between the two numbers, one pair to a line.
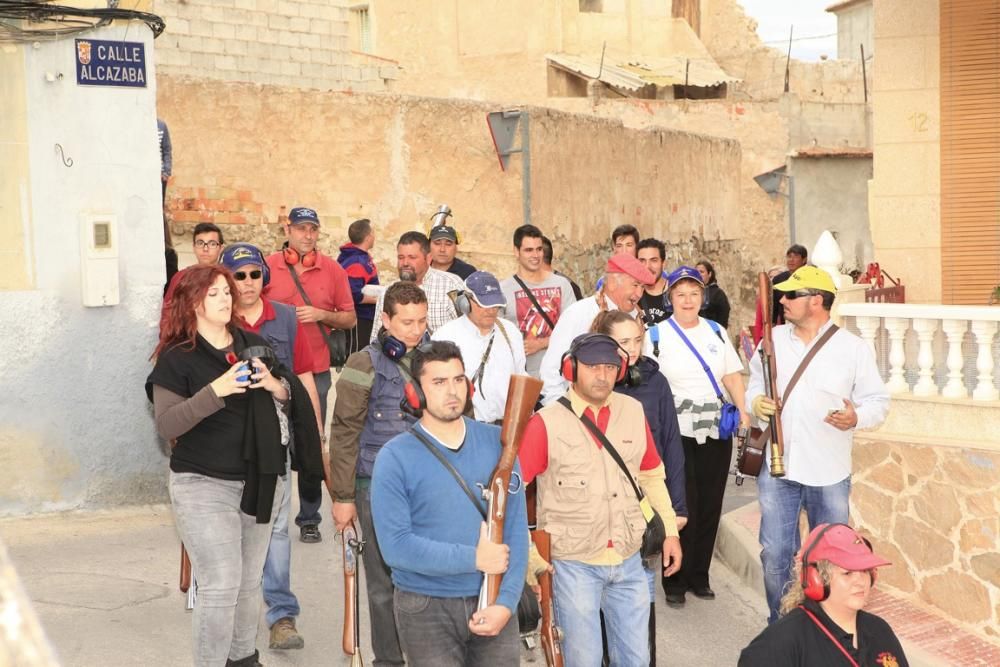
[706,376]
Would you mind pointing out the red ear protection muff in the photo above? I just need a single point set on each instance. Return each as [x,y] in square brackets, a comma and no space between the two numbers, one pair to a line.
[568,366]
[813,585]
[415,402]
[292,257]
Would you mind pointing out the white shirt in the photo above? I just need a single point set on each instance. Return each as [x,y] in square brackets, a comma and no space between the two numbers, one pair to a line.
[574,321]
[816,453]
[436,285]
[490,396]
[694,397]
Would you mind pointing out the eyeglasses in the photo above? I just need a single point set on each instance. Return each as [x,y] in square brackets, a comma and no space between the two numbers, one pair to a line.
[240,276]
[207,244]
[800,292]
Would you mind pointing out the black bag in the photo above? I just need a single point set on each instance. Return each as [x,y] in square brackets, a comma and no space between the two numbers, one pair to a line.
[336,339]
[656,532]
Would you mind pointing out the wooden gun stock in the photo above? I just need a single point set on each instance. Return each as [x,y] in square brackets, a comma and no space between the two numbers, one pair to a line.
[770,368]
[522,394]
[185,582]
[352,636]
[550,633]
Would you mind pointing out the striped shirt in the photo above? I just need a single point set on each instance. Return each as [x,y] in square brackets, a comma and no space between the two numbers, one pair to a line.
[440,310]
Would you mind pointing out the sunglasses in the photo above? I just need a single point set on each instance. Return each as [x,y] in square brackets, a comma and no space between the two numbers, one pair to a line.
[240,276]
[800,292]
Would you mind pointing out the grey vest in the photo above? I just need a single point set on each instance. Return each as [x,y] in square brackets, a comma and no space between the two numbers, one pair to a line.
[385,419]
[280,333]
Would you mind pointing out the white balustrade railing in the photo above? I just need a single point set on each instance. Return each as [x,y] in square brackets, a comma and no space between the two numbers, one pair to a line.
[930,349]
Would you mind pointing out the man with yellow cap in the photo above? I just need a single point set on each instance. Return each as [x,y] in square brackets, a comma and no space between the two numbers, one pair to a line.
[840,390]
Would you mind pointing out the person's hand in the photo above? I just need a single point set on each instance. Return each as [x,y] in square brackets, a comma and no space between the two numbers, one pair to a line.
[343,514]
[763,407]
[536,566]
[844,419]
[233,381]
[671,556]
[308,314]
[681,521]
[491,558]
[533,344]
[490,621]
[261,378]
[744,419]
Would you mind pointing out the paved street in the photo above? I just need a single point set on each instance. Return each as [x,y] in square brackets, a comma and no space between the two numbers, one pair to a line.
[104,585]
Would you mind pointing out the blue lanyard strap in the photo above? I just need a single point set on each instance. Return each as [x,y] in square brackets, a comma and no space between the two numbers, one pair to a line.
[708,371]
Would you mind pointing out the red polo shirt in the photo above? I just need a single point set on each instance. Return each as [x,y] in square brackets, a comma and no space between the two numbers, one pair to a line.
[327,287]
[302,358]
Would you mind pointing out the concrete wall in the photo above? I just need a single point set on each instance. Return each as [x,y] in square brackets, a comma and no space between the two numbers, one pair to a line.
[905,194]
[394,159]
[831,194]
[293,43]
[75,426]
[855,28]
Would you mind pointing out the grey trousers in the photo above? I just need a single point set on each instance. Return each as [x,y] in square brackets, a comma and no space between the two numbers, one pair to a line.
[227,550]
[378,583]
[435,632]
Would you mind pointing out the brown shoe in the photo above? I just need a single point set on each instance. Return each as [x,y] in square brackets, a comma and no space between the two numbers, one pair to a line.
[284,635]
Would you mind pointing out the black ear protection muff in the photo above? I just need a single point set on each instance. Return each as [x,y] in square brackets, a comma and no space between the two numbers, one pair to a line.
[814,586]
[262,352]
[461,300]
[292,256]
[391,346]
[633,377]
[568,365]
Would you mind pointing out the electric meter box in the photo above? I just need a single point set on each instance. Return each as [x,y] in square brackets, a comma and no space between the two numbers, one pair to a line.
[99,251]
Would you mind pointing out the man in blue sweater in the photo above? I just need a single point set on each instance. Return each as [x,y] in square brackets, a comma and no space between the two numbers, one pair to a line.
[433,536]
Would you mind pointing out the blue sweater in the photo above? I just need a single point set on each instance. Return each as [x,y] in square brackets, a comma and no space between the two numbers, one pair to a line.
[427,526]
[658,404]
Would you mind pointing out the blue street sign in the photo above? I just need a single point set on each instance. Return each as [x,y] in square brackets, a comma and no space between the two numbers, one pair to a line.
[102,62]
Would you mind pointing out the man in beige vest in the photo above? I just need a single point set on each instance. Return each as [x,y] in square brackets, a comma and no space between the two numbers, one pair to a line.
[590,508]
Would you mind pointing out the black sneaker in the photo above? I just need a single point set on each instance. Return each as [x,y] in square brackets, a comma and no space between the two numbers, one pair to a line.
[310,534]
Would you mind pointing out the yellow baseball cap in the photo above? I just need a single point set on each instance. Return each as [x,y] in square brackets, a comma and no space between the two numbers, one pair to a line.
[808,277]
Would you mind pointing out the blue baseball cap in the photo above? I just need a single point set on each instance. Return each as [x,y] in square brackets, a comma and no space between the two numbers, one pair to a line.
[301,215]
[684,273]
[238,255]
[485,289]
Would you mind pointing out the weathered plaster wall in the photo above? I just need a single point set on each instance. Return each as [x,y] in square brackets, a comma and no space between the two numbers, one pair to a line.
[394,159]
[75,426]
[831,193]
[905,191]
[16,270]
[293,43]
[933,511]
[855,28]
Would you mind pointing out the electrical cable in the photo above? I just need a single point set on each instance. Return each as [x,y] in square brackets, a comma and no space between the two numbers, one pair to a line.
[60,21]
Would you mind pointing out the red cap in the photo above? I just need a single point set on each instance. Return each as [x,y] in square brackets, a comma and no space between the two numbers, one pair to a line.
[841,546]
[630,266]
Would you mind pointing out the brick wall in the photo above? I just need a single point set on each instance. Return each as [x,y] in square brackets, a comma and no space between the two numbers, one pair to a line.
[301,43]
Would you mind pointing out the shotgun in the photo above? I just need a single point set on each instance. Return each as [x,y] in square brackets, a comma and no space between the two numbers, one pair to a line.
[770,368]
[550,632]
[352,545]
[522,394]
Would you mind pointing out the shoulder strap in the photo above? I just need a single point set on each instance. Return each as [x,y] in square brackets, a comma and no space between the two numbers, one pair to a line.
[715,328]
[704,366]
[534,302]
[819,624]
[305,297]
[450,468]
[827,335]
[605,443]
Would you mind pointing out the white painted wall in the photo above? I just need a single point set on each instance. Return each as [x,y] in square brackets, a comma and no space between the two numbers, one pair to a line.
[75,425]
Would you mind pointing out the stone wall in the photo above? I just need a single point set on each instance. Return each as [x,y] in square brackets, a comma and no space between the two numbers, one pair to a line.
[247,154]
[933,511]
[294,43]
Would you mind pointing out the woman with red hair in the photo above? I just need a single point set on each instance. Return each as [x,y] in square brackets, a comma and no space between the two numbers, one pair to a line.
[228,449]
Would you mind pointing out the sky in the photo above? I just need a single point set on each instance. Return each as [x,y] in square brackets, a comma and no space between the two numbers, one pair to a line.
[774,17]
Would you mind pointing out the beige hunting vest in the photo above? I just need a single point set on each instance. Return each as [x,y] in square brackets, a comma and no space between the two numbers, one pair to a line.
[584,499]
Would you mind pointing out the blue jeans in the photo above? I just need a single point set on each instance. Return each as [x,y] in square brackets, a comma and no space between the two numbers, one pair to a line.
[227,550]
[780,503]
[278,596]
[581,591]
[311,493]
